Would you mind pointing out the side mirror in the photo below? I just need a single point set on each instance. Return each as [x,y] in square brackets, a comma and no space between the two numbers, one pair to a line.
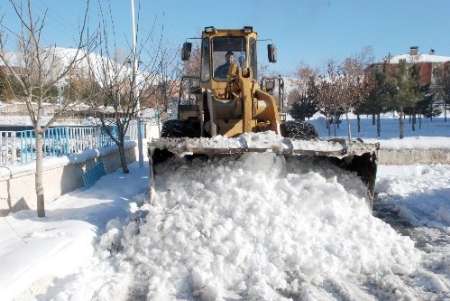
[272,53]
[186,51]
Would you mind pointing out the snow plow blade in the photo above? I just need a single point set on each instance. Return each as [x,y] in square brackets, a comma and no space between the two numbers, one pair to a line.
[355,156]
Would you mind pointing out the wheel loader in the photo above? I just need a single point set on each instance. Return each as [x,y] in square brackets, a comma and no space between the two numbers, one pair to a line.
[227,100]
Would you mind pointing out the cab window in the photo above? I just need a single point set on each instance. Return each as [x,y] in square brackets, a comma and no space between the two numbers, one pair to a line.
[227,50]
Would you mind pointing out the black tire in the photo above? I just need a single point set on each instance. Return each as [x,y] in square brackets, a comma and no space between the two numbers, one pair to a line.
[299,130]
[175,129]
[180,128]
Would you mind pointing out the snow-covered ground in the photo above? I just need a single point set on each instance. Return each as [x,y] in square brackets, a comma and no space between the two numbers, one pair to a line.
[431,134]
[34,251]
[252,228]
[415,200]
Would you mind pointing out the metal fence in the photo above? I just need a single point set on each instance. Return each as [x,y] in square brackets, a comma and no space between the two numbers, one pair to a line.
[19,147]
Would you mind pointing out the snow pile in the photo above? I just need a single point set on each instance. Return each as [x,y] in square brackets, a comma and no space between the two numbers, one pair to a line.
[271,140]
[255,228]
[268,140]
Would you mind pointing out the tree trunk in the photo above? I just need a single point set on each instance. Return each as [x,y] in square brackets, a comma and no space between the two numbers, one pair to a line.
[328,126]
[373,119]
[333,123]
[445,111]
[401,124]
[378,125]
[431,112]
[420,121]
[358,118]
[349,128]
[123,159]
[39,172]
[413,125]
[409,119]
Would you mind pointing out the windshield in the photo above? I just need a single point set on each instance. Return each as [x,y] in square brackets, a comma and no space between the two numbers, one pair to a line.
[227,50]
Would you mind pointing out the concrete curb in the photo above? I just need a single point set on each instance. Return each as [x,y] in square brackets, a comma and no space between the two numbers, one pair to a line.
[408,156]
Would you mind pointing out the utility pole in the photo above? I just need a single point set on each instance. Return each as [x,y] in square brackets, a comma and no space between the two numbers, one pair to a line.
[135,69]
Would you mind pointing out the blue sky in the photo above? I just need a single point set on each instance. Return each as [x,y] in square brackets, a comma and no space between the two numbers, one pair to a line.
[308,31]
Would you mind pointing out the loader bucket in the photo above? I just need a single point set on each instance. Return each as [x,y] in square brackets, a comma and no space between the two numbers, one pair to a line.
[354,156]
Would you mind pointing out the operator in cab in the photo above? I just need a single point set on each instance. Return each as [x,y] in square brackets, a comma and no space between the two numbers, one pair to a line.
[222,71]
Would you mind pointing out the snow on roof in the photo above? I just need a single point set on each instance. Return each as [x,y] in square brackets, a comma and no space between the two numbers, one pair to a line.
[419,58]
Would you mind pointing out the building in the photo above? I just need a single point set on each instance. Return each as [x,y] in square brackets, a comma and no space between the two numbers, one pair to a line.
[427,62]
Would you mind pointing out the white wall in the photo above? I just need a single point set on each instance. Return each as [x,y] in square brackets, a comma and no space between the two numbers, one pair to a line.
[61,175]
[413,156]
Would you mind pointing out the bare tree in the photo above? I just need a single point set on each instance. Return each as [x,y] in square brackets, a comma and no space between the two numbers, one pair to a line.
[169,75]
[354,85]
[330,94]
[191,67]
[120,86]
[342,87]
[36,70]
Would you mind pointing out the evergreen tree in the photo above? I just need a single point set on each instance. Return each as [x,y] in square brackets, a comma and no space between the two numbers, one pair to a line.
[381,87]
[425,106]
[418,92]
[304,104]
[408,93]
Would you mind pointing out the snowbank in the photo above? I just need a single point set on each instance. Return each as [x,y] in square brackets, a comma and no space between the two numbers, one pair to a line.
[253,229]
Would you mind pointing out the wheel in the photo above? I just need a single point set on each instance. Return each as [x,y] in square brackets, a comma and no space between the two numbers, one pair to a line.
[175,129]
[180,128]
[299,130]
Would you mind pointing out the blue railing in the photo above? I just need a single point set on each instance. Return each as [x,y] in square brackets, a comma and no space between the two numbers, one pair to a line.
[19,147]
